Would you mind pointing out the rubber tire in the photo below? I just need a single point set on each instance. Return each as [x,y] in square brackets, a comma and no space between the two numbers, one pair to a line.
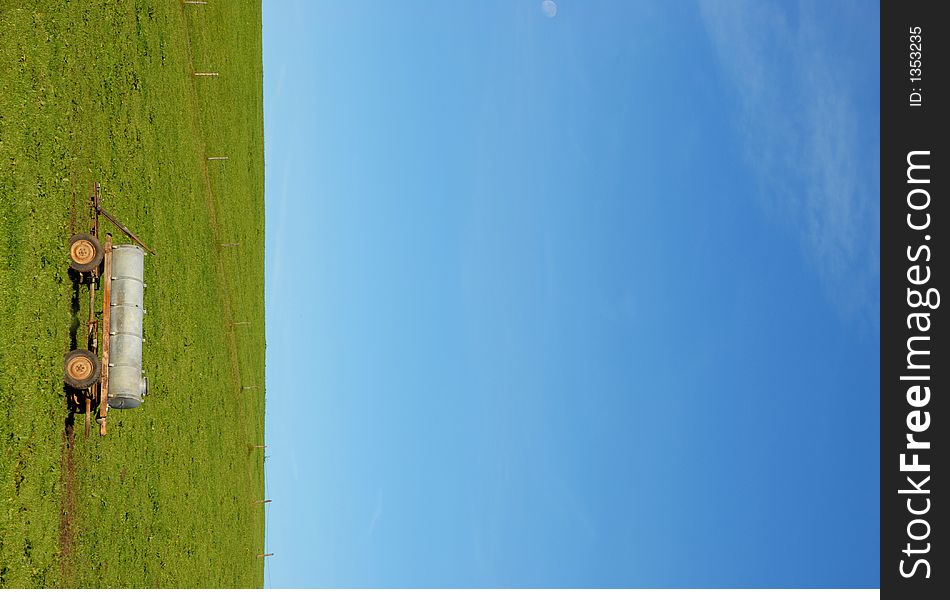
[96,260]
[82,384]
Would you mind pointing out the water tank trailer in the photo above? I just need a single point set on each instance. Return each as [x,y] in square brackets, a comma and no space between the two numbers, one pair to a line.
[115,380]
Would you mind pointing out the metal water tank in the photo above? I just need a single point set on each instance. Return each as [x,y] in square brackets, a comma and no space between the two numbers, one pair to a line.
[127,382]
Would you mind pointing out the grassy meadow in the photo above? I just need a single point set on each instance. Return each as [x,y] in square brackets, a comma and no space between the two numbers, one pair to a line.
[103,91]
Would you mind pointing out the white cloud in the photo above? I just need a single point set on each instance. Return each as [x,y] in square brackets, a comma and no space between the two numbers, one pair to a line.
[800,126]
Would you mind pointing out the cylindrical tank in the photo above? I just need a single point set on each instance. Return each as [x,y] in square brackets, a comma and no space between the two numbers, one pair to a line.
[127,382]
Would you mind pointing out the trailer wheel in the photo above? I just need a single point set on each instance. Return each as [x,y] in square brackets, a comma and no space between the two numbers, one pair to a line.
[81,369]
[85,252]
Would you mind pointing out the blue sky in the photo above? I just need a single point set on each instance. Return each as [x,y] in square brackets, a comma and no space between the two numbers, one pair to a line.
[582,301]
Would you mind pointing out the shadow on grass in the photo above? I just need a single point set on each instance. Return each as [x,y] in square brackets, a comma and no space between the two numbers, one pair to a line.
[76,278]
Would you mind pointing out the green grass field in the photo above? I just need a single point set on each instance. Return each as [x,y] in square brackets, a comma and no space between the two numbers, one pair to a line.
[103,91]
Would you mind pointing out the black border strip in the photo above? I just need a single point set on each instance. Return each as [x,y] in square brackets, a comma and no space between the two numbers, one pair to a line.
[913,239]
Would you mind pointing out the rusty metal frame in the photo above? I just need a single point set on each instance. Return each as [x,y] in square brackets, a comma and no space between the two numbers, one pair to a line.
[125,230]
[106,334]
